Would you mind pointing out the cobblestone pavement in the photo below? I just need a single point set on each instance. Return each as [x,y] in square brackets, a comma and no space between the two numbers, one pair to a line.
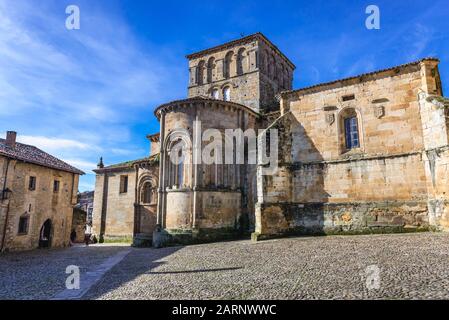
[40,274]
[412,266]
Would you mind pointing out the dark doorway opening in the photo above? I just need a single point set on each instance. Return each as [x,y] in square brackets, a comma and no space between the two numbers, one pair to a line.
[45,235]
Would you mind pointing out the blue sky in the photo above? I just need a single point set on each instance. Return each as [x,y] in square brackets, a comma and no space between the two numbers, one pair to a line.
[82,94]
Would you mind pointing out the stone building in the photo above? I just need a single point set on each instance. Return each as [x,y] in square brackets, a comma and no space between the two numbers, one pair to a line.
[82,214]
[362,154]
[126,197]
[38,194]
[86,203]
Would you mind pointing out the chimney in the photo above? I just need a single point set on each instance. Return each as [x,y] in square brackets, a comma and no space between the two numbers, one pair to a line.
[11,139]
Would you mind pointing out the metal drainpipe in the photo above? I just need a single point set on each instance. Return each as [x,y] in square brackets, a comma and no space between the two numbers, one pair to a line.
[7,208]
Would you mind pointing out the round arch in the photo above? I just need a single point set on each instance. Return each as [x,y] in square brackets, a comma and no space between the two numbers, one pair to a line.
[342,113]
[45,234]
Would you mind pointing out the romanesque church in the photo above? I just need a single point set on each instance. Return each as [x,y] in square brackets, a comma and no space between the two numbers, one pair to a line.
[363,154]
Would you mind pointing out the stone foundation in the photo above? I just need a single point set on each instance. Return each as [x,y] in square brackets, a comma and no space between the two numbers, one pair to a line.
[340,218]
[171,237]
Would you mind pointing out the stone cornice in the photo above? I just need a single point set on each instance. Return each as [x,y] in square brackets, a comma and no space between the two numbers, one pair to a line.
[253,37]
[167,107]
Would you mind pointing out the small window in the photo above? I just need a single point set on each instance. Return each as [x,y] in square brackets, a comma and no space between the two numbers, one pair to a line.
[56,186]
[23,224]
[352,133]
[227,94]
[215,94]
[32,184]
[123,184]
[348,97]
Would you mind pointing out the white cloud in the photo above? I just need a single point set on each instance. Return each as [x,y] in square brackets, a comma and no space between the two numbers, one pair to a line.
[78,94]
[86,166]
[54,144]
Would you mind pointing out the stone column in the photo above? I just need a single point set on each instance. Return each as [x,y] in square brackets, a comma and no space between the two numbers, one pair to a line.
[253,63]
[193,76]
[220,69]
[196,159]
[161,189]
[136,203]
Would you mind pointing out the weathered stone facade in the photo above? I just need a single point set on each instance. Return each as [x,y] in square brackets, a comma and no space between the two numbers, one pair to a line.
[120,213]
[252,68]
[385,183]
[32,209]
[212,200]
[362,154]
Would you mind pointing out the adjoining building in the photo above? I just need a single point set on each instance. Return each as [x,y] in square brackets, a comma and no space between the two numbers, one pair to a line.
[82,214]
[363,154]
[37,197]
[126,198]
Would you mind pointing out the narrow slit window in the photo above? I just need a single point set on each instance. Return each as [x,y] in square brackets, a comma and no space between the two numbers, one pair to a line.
[32,184]
[56,186]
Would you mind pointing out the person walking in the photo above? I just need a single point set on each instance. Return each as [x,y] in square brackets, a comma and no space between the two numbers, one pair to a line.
[87,233]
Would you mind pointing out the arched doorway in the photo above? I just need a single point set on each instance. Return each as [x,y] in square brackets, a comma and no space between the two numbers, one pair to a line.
[45,235]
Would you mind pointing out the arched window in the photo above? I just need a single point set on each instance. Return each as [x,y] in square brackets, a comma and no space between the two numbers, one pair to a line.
[180,173]
[200,72]
[241,60]
[176,160]
[227,94]
[147,193]
[210,69]
[227,64]
[350,125]
[215,93]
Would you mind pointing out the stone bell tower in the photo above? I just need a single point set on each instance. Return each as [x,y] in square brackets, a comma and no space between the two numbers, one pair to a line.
[250,71]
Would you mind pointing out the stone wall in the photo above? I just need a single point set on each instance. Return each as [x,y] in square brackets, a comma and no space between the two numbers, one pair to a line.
[216,200]
[78,223]
[385,184]
[117,212]
[256,73]
[40,205]
[121,215]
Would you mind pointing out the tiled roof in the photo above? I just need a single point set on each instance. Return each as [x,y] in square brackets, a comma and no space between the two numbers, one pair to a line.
[31,154]
[345,81]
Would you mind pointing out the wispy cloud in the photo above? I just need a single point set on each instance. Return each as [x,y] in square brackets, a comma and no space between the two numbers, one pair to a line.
[81,164]
[55,144]
[74,92]
[419,39]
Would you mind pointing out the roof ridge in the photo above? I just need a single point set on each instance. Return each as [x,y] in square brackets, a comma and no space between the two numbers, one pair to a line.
[32,154]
